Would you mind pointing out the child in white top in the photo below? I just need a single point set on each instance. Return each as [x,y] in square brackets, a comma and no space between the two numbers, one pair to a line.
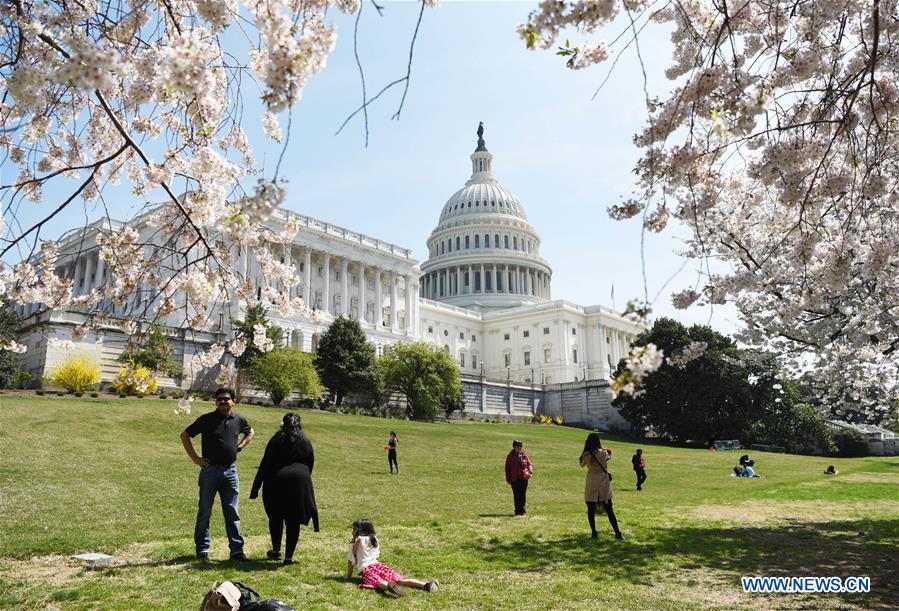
[363,555]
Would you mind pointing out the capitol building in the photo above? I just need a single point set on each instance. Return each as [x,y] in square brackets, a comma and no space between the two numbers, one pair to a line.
[484,294]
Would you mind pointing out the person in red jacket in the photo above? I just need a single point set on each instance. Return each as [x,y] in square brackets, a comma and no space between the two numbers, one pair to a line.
[518,472]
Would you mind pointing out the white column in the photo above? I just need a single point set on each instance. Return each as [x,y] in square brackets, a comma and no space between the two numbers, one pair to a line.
[362,304]
[379,316]
[527,281]
[307,275]
[88,270]
[287,256]
[494,278]
[393,326]
[459,281]
[101,267]
[409,305]
[326,286]
[345,288]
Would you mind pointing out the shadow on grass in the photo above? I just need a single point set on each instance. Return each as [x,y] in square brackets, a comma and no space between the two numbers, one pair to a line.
[496,515]
[208,565]
[354,582]
[839,548]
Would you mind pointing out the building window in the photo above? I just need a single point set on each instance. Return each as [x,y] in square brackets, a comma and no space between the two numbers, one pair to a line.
[467,242]
[461,335]
[515,243]
[477,241]
[545,330]
[458,240]
[507,360]
[527,333]
[430,329]
[527,358]
[506,241]
[573,331]
[496,240]
[486,240]
[474,361]
[462,359]
[608,339]
[506,336]
[547,353]
[445,333]
[474,337]
[574,355]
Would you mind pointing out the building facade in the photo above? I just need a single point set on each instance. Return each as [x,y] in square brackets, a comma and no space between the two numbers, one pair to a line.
[484,294]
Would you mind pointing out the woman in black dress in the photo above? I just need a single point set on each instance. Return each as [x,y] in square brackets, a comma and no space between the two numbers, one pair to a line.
[285,475]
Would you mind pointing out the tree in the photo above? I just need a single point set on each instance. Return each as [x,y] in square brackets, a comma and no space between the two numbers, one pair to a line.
[427,377]
[254,336]
[850,443]
[705,389]
[797,427]
[345,359]
[153,93]
[777,148]
[11,373]
[283,371]
[153,351]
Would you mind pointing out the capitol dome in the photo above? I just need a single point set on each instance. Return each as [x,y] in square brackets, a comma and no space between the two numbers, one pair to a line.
[484,254]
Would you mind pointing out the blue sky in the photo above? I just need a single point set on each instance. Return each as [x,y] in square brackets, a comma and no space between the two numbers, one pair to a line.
[565,155]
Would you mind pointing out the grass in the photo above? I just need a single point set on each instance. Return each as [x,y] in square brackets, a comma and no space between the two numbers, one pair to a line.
[106,475]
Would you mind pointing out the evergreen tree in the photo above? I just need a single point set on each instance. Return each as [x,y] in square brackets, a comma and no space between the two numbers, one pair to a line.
[244,330]
[345,359]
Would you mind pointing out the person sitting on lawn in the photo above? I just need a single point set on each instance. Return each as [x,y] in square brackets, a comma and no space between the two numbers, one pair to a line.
[830,470]
[363,555]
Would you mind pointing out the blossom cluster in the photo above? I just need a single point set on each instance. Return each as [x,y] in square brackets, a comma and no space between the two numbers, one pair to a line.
[781,175]
[639,363]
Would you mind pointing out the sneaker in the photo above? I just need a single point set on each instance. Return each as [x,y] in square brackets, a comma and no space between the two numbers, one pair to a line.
[394,589]
[203,556]
[240,558]
[273,554]
[432,586]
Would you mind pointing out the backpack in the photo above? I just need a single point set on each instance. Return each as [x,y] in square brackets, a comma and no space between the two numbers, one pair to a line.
[266,605]
[224,596]
[228,596]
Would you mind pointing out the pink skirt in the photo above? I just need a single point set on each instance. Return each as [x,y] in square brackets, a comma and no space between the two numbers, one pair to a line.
[376,572]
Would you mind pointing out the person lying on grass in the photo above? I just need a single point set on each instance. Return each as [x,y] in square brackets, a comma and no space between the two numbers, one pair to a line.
[363,555]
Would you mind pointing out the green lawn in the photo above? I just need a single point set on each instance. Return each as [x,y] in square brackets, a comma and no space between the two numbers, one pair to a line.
[104,475]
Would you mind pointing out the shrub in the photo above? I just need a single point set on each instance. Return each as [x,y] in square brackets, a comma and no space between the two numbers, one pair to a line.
[135,379]
[94,395]
[60,393]
[850,443]
[39,392]
[283,371]
[77,373]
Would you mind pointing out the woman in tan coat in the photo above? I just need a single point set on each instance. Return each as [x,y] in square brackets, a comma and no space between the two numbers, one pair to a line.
[598,488]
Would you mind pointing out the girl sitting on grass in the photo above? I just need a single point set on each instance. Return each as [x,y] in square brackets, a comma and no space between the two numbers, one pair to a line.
[363,555]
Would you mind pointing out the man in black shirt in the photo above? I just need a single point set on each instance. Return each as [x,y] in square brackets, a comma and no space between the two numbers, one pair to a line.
[218,470]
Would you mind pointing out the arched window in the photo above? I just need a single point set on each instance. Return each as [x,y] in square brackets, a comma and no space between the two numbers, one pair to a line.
[486,240]
[477,241]
[458,241]
[506,241]
[467,242]
[496,240]
[515,242]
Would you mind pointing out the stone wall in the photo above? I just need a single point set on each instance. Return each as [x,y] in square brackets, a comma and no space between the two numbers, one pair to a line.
[583,404]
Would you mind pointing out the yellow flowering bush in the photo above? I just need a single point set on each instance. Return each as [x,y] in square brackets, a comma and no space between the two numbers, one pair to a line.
[77,373]
[134,379]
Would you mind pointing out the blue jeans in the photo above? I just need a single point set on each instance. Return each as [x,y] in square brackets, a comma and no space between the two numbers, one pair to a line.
[222,480]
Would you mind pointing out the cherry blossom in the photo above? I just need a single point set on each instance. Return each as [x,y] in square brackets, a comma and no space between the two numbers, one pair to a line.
[776,148]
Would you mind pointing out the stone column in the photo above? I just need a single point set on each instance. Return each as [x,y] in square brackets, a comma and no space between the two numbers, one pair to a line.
[393,326]
[307,275]
[527,281]
[363,306]
[88,270]
[379,316]
[344,288]
[101,268]
[409,317]
[459,281]
[326,285]
[287,257]
[483,277]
